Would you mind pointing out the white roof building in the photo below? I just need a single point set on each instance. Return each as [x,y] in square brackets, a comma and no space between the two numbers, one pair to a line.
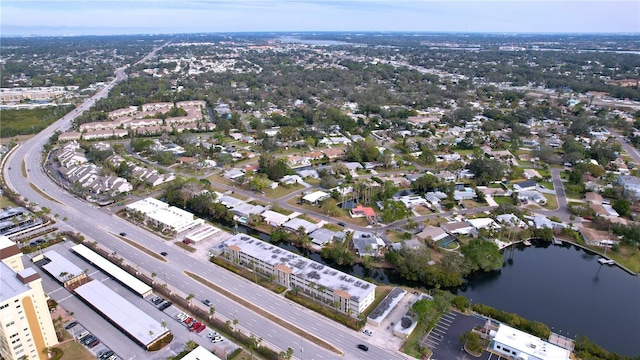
[516,344]
[161,214]
[316,197]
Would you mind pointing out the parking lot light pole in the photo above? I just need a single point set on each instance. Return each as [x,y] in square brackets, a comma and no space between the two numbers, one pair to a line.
[301,349]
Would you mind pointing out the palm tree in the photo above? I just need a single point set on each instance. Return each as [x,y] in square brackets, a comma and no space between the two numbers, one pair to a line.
[153,275]
[252,265]
[235,324]
[189,298]
[163,324]
[312,285]
[321,290]
[212,311]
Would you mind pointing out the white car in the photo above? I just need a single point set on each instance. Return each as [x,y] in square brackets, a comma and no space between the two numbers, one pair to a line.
[367,332]
[211,335]
[216,339]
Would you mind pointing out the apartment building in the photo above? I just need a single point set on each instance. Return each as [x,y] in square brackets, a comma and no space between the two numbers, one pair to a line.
[324,284]
[26,328]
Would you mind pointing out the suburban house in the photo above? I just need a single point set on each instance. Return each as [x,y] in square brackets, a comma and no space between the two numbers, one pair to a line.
[527,185]
[365,243]
[323,236]
[316,197]
[364,211]
[457,228]
[294,225]
[631,185]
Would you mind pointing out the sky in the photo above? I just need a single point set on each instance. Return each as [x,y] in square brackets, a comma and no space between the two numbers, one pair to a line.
[115,17]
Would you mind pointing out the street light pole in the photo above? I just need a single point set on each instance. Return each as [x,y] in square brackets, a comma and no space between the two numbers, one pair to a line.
[301,349]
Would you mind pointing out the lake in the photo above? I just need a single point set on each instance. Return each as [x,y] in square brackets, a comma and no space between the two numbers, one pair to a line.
[567,289]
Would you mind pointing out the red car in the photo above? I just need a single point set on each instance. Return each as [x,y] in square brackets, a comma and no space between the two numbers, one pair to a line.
[195,326]
[201,328]
[188,320]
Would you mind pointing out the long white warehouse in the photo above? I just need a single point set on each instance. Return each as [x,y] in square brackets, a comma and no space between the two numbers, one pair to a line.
[113,270]
[135,323]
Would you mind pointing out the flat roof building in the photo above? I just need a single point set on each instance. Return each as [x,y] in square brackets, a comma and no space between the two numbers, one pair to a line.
[160,214]
[61,269]
[26,328]
[113,270]
[130,319]
[516,344]
[325,284]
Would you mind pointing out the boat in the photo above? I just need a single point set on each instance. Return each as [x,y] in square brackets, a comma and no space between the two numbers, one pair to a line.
[604,261]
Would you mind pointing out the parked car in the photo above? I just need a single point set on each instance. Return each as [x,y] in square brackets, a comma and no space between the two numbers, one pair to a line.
[195,326]
[363,347]
[157,300]
[88,339]
[367,332]
[201,328]
[93,344]
[165,305]
[188,320]
[342,223]
[105,355]
[216,339]
[71,325]
[212,334]
[80,336]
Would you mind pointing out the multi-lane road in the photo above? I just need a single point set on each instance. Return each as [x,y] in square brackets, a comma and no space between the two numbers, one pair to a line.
[100,226]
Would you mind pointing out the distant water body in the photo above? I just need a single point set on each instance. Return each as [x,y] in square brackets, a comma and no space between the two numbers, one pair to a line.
[295,40]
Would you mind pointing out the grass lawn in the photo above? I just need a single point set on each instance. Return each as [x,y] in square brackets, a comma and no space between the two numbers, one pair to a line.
[282,191]
[552,202]
[628,256]
[547,184]
[394,235]
[6,202]
[564,175]
[503,200]
[73,350]
[218,179]
[422,210]
[30,121]
[470,204]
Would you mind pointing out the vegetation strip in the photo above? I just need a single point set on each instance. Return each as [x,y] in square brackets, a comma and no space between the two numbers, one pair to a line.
[37,189]
[266,314]
[141,248]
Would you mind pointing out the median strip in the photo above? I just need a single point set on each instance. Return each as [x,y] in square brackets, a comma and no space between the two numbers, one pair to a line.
[43,194]
[140,247]
[316,340]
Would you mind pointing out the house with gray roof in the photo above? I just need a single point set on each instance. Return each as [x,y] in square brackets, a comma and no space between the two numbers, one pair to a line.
[294,224]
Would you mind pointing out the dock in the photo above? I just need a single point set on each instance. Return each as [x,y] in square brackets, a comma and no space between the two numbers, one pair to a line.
[557,241]
[604,261]
[526,242]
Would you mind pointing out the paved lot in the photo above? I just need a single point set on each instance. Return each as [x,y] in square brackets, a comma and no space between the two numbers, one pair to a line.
[109,336]
[444,339]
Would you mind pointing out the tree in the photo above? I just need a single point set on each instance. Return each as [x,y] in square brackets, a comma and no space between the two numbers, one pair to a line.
[394,210]
[483,255]
[288,354]
[189,298]
[212,312]
[330,207]
[486,170]
[274,168]
[259,182]
[623,207]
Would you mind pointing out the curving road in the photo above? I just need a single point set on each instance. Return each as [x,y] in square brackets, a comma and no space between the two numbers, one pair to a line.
[99,226]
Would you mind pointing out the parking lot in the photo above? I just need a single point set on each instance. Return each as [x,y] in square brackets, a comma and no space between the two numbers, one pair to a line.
[444,338]
[109,336]
[90,341]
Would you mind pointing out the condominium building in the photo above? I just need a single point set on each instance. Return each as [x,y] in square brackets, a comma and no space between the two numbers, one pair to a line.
[159,214]
[346,293]
[26,328]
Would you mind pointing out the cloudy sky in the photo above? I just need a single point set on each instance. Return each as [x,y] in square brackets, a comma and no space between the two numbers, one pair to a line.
[79,17]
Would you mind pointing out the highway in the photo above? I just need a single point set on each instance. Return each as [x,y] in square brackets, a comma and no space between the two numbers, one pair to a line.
[99,226]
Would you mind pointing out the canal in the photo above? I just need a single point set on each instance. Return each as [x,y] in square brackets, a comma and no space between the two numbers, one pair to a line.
[562,286]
